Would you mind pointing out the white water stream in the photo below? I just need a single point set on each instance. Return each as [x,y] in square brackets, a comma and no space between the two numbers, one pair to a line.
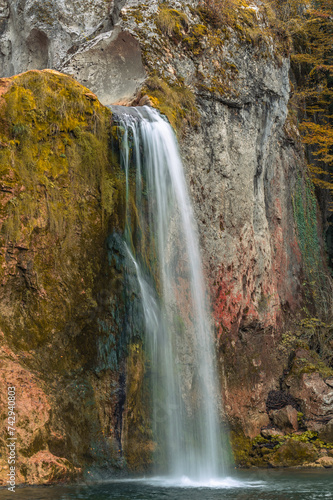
[184,384]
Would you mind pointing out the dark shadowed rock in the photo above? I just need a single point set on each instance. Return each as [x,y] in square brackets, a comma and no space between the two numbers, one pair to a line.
[285,419]
[325,432]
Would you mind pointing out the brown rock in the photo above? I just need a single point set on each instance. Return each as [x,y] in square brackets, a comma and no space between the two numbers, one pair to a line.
[325,433]
[310,388]
[326,462]
[254,422]
[329,381]
[43,467]
[145,101]
[285,419]
[268,433]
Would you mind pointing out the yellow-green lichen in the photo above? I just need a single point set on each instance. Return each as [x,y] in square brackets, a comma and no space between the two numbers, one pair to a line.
[57,143]
[278,450]
[171,21]
[177,102]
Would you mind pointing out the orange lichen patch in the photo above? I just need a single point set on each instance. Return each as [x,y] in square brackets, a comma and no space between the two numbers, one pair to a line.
[4,84]
[47,468]
[32,407]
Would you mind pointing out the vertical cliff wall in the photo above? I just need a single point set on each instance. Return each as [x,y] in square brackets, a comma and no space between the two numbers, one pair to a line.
[70,336]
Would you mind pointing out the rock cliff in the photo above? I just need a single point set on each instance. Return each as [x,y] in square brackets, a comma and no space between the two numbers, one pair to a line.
[225,88]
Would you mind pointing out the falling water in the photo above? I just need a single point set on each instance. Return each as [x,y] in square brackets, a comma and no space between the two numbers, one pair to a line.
[179,338]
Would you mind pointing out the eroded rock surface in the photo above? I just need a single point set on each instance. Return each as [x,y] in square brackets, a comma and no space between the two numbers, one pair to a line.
[110,65]
[228,96]
[309,386]
[285,419]
[75,37]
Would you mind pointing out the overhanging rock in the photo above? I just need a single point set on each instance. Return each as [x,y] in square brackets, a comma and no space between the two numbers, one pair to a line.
[110,65]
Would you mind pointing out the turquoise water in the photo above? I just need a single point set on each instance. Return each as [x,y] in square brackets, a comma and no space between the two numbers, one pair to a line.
[261,485]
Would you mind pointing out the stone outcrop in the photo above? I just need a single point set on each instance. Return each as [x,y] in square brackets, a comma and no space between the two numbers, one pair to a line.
[38,34]
[285,419]
[111,65]
[75,37]
[309,386]
[59,200]
[293,453]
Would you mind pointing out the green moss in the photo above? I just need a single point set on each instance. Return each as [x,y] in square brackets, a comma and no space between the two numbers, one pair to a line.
[56,136]
[305,214]
[241,447]
[194,42]
[294,452]
[288,450]
[177,102]
[63,187]
[171,22]
[310,364]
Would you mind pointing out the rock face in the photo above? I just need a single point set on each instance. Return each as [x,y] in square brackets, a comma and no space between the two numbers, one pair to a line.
[111,65]
[32,420]
[292,453]
[37,35]
[227,92]
[74,37]
[311,389]
[285,419]
[62,340]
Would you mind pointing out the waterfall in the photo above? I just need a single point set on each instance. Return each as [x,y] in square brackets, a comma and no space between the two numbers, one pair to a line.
[164,251]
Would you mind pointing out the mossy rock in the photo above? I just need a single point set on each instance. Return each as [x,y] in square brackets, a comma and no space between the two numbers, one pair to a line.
[62,194]
[294,453]
[177,102]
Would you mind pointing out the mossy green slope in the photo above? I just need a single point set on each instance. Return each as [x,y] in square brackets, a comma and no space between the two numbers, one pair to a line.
[61,195]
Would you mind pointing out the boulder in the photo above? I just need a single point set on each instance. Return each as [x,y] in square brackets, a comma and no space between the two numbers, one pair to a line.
[269,433]
[325,433]
[294,453]
[326,462]
[307,382]
[285,419]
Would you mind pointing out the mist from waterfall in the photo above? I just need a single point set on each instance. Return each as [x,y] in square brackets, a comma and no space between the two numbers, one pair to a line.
[179,338]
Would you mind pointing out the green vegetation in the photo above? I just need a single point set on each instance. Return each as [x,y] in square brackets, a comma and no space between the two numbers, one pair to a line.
[177,102]
[310,25]
[54,136]
[278,451]
[251,24]
[305,213]
[60,190]
[171,22]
